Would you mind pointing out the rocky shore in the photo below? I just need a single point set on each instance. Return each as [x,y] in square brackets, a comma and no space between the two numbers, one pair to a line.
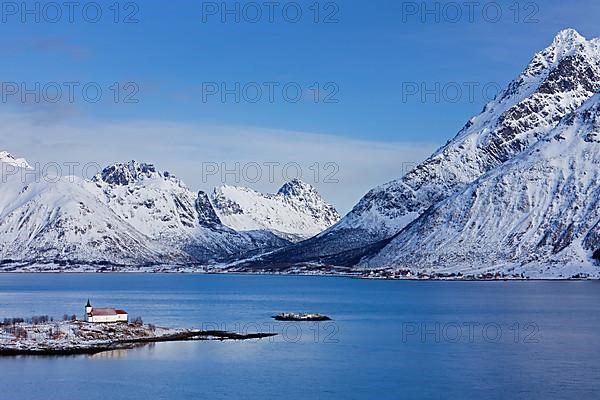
[77,337]
[300,317]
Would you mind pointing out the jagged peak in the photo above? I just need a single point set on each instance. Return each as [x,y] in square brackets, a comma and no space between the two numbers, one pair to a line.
[296,187]
[295,212]
[565,43]
[8,158]
[293,188]
[568,36]
[124,174]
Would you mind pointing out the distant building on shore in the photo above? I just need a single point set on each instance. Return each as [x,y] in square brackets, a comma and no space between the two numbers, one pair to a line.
[104,315]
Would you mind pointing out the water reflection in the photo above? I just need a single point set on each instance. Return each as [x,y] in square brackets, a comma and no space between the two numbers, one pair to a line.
[112,354]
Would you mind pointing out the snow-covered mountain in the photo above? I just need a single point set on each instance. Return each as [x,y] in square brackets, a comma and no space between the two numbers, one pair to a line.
[59,221]
[557,81]
[536,215]
[516,191]
[296,212]
[163,208]
[129,214]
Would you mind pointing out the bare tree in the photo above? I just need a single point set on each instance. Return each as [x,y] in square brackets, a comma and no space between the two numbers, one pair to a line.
[20,333]
[39,319]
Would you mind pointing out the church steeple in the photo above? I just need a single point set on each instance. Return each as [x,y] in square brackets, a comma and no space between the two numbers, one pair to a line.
[88,309]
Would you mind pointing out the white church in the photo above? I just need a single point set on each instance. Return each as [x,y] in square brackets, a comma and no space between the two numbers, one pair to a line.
[104,315]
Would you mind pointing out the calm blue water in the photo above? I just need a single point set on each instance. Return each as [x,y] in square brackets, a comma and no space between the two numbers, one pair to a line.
[390,340]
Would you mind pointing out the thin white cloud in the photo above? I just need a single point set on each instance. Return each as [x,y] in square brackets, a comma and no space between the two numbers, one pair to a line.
[199,154]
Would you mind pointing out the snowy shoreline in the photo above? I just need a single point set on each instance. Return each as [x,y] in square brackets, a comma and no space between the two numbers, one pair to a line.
[509,272]
[79,338]
[348,275]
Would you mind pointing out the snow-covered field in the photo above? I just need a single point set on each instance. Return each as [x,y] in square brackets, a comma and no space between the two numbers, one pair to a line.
[75,336]
[78,337]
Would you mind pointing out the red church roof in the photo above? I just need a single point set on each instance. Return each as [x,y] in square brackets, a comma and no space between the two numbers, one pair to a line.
[106,312]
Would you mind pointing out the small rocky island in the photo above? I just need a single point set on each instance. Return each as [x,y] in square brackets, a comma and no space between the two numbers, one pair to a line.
[301,317]
[45,337]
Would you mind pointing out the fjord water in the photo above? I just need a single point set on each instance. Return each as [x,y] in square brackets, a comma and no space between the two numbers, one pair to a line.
[388,340]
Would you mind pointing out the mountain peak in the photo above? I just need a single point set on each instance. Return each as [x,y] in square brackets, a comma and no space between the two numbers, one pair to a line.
[8,158]
[295,213]
[296,187]
[123,174]
[568,36]
[564,44]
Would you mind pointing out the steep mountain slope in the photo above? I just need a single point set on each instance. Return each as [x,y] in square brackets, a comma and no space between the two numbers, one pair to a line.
[556,82]
[538,214]
[295,213]
[161,207]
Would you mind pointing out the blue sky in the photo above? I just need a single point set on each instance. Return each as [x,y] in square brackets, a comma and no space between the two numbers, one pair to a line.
[364,60]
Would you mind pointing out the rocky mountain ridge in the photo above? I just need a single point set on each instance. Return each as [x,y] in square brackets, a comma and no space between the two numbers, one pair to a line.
[296,212]
[129,214]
